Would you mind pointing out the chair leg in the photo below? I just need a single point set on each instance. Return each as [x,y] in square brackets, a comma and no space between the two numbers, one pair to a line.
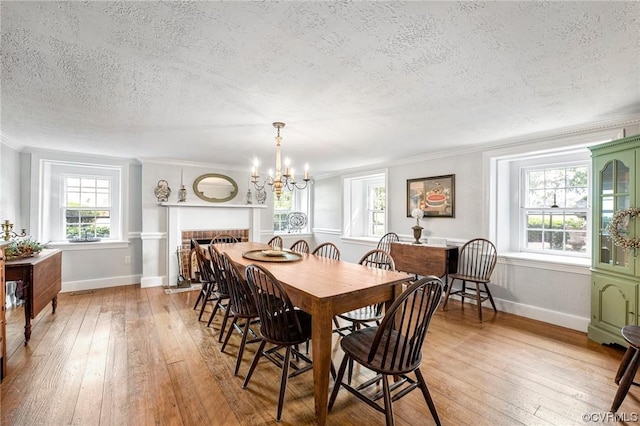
[205,287]
[204,302]
[625,383]
[626,359]
[388,407]
[283,381]
[216,305]
[464,290]
[224,322]
[447,294]
[229,332]
[427,396]
[338,382]
[486,289]
[479,301]
[254,363]
[243,342]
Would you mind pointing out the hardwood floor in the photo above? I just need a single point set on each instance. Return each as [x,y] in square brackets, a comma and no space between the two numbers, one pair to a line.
[131,356]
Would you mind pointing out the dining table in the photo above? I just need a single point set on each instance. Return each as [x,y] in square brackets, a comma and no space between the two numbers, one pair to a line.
[323,287]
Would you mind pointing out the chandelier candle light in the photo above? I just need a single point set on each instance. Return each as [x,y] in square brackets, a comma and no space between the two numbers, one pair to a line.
[280,181]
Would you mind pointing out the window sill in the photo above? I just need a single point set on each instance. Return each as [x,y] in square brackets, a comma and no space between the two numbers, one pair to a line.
[294,234]
[365,241]
[98,245]
[545,261]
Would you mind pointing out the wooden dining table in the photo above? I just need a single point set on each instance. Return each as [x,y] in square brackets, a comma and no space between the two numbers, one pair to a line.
[324,288]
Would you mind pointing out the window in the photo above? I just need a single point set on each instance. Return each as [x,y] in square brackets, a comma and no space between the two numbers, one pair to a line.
[365,205]
[281,209]
[376,203]
[290,201]
[86,207]
[555,209]
[81,201]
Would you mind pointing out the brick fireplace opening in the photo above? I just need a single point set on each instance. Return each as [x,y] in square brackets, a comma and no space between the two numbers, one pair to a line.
[189,266]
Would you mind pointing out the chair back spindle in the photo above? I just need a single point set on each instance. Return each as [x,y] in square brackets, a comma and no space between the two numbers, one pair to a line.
[300,246]
[328,250]
[386,240]
[399,338]
[279,323]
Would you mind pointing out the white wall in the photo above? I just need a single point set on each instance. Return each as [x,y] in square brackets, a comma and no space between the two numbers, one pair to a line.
[10,187]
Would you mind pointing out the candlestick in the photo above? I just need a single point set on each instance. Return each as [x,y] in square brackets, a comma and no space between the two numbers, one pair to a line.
[182,177]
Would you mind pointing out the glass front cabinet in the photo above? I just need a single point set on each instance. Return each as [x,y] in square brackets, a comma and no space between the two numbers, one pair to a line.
[615,271]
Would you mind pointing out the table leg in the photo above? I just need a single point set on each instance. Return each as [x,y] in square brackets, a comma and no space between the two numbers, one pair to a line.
[321,343]
[54,304]
[27,324]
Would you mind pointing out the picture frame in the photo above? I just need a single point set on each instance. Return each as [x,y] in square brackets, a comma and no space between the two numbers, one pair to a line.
[435,196]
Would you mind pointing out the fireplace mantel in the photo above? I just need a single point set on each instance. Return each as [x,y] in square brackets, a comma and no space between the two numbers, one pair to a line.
[213,205]
[205,216]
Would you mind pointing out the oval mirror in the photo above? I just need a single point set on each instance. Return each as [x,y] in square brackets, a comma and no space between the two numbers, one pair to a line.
[215,188]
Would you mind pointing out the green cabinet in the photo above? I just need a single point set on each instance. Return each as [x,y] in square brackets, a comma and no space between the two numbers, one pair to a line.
[615,271]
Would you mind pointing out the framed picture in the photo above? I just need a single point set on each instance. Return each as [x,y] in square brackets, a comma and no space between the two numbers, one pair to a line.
[435,196]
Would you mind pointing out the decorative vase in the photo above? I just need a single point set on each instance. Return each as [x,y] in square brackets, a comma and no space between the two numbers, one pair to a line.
[417,233]
[182,195]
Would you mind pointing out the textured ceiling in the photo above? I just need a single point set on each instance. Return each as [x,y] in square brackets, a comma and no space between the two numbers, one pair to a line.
[357,83]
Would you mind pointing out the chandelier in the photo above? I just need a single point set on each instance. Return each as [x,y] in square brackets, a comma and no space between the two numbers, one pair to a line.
[281,180]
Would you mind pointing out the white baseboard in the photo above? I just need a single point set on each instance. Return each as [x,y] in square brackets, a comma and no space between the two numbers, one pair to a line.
[152,282]
[539,314]
[69,286]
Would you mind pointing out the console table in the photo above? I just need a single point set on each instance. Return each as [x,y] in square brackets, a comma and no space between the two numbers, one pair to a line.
[425,260]
[41,277]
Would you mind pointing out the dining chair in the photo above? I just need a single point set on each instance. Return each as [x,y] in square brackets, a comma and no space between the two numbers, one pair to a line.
[208,279]
[224,238]
[375,258]
[628,365]
[328,250]
[221,293]
[241,307]
[386,240]
[300,246]
[206,276]
[276,242]
[394,348]
[280,325]
[366,315]
[476,261]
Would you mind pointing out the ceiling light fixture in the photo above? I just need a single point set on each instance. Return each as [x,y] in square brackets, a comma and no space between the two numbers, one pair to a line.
[280,181]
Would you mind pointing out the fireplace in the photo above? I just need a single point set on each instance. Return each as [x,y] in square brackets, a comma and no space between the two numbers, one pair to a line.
[201,222]
[189,267]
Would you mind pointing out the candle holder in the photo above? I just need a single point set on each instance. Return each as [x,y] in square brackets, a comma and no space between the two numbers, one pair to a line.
[7,229]
[182,195]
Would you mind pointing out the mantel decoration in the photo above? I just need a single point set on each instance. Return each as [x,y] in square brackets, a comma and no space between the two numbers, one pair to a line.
[280,181]
[182,193]
[26,247]
[162,191]
[620,220]
[435,196]
[417,229]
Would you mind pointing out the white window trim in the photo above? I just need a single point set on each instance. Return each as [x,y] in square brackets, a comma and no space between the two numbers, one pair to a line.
[350,208]
[39,198]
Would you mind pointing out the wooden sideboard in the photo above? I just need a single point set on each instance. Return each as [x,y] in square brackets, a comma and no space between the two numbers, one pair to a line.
[3,326]
[41,276]
[425,260]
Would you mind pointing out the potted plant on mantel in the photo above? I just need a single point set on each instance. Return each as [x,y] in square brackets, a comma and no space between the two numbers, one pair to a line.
[21,248]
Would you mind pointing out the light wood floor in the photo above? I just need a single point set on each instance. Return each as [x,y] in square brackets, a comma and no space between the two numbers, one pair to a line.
[131,356]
